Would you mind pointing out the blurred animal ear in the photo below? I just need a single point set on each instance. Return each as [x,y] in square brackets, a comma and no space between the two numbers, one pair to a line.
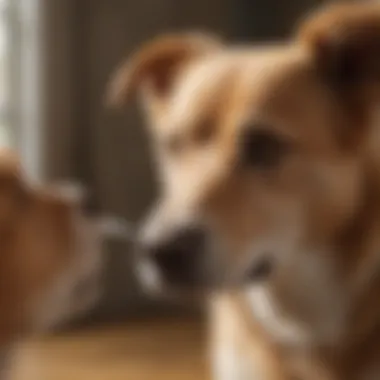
[345,39]
[155,67]
[12,188]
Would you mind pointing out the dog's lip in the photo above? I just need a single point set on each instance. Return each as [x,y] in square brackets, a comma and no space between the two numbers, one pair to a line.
[255,270]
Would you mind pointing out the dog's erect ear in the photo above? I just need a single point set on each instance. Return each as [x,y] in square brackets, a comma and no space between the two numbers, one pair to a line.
[345,39]
[157,64]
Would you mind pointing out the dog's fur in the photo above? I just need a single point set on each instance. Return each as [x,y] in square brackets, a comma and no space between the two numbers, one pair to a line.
[312,205]
[50,261]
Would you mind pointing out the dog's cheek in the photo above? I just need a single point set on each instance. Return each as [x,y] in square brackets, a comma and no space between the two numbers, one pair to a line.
[334,194]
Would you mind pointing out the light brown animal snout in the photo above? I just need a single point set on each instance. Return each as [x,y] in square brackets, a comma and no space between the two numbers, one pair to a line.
[173,246]
[180,250]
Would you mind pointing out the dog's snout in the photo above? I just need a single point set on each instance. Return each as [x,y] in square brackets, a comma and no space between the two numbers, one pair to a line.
[179,258]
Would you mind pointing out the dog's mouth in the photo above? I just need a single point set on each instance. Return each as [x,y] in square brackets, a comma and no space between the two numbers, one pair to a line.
[157,281]
[208,277]
[193,260]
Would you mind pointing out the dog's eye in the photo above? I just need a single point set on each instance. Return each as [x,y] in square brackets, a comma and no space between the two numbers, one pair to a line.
[262,149]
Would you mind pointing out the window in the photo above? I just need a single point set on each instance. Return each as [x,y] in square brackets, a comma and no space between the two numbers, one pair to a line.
[18,93]
[6,133]
[19,79]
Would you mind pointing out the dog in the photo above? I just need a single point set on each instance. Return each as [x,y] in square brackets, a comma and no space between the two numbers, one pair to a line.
[50,256]
[269,162]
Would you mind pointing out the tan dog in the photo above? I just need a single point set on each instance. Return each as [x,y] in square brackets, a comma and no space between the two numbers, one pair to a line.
[269,159]
[50,262]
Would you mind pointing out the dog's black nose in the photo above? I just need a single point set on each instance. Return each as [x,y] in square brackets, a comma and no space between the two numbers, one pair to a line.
[180,258]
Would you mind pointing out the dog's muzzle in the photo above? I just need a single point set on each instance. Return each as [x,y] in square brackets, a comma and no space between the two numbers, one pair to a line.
[179,259]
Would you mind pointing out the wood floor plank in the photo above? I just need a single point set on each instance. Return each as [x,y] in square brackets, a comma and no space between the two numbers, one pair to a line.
[169,350]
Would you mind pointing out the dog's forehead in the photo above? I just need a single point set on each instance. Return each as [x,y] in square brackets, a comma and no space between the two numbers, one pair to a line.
[197,90]
[273,85]
[254,75]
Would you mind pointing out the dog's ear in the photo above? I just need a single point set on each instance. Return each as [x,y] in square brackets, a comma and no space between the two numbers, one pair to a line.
[156,65]
[12,188]
[345,39]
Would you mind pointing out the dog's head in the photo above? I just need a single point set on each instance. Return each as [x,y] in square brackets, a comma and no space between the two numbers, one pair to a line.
[50,261]
[262,151]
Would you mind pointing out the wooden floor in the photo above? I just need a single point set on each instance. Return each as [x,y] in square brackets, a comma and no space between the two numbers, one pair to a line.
[140,351]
